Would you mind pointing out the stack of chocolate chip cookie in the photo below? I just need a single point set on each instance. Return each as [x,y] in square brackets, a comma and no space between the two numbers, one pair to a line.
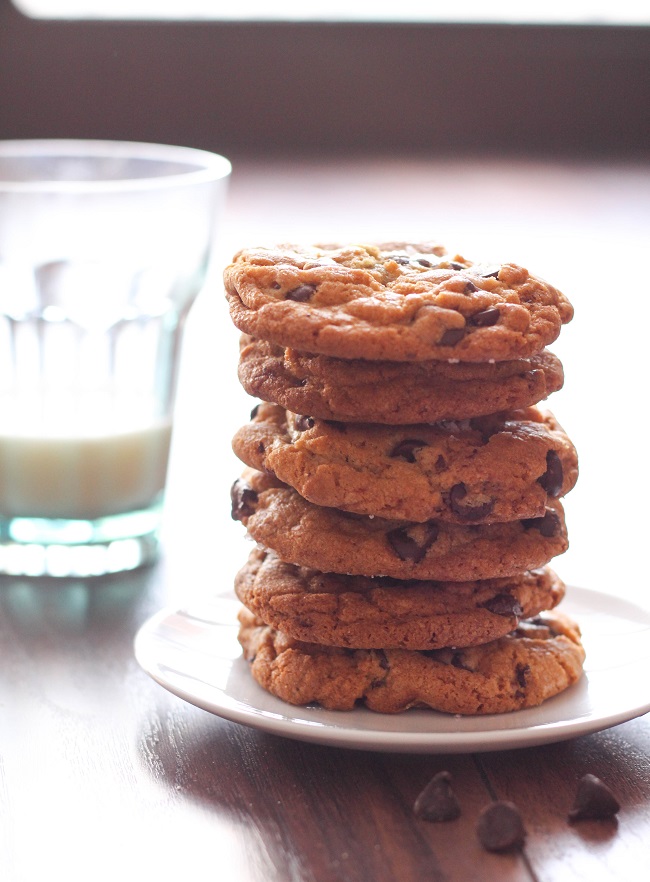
[401,485]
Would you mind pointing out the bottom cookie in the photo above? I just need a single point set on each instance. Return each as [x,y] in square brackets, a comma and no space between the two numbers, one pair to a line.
[539,659]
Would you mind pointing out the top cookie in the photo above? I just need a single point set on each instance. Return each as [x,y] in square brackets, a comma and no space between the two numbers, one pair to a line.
[393,302]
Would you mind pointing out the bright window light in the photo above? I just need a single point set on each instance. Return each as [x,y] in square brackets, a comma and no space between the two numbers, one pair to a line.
[581,12]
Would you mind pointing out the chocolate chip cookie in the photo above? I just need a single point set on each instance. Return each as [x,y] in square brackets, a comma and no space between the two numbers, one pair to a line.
[330,540]
[357,611]
[395,302]
[539,659]
[488,469]
[392,392]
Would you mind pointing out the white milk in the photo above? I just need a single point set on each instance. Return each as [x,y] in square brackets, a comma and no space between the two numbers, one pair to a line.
[79,467]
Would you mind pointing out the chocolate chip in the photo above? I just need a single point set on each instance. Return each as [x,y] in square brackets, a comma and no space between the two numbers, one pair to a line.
[553,477]
[458,661]
[407,547]
[243,499]
[521,674]
[469,288]
[424,262]
[488,272]
[302,423]
[500,827]
[437,802]
[382,658]
[302,293]
[441,464]
[485,318]
[455,427]
[468,511]
[451,336]
[447,656]
[594,800]
[276,286]
[406,448]
[399,258]
[503,605]
[260,447]
[548,525]
[488,425]
[536,629]
[457,266]
[255,411]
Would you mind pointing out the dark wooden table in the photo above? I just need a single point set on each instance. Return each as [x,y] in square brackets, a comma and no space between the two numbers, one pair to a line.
[104,774]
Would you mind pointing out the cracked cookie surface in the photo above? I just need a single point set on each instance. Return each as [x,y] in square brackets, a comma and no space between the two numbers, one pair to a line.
[394,301]
[330,540]
[539,659]
[492,469]
[363,612]
[394,393]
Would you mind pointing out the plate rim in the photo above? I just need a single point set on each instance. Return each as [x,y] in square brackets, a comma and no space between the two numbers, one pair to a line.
[284,723]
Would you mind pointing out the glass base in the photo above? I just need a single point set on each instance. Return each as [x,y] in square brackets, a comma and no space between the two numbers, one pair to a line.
[81,548]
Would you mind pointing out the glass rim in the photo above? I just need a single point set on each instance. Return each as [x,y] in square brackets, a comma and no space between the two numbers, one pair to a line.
[203,166]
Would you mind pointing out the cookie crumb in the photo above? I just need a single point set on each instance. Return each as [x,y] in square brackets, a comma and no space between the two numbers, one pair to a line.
[593,801]
[500,827]
[437,802]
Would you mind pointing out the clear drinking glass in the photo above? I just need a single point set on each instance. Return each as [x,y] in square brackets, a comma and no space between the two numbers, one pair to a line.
[104,247]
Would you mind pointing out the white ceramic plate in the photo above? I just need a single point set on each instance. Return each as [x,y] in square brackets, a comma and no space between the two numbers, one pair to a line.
[194,654]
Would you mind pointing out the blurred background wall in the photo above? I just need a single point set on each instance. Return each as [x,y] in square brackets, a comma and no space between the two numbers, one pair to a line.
[328,89]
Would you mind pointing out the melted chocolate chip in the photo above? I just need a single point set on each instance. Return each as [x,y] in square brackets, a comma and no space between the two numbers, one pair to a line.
[302,293]
[521,674]
[548,525]
[406,547]
[485,318]
[500,827]
[466,510]
[437,802]
[452,336]
[406,448]
[302,423]
[594,800]
[243,499]
[503,605]
[553,477]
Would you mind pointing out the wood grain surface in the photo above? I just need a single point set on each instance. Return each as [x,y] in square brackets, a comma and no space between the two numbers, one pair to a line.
[104,774]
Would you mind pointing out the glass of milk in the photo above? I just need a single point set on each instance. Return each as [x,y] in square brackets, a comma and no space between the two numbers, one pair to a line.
[104,247]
